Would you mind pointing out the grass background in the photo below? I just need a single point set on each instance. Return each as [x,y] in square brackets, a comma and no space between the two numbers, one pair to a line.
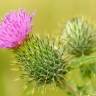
[50,17]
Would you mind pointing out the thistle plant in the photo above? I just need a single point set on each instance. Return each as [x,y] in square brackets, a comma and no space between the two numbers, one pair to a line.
[37,58]
[79,39]
[42,61]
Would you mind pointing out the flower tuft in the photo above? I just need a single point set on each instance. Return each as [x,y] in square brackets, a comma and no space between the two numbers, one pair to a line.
[14,28]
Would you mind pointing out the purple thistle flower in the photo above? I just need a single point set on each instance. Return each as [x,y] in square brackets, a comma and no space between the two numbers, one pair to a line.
[14,28]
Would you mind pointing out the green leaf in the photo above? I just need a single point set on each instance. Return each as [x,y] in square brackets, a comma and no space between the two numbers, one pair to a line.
[83,60]
[86,64]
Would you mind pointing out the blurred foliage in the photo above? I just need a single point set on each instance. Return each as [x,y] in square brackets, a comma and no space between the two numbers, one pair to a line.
[50,16]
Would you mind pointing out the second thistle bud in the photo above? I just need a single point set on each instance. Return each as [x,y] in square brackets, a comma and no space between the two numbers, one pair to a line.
[79,36]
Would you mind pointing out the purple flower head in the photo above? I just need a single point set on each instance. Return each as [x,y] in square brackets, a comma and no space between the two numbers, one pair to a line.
[14,28]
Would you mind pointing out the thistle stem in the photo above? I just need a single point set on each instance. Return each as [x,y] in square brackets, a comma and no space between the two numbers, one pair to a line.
[72,90]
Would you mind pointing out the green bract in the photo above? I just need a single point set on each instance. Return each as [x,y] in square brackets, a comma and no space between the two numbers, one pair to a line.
[40,61]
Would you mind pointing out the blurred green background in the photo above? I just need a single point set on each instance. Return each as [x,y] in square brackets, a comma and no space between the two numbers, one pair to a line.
[50,17]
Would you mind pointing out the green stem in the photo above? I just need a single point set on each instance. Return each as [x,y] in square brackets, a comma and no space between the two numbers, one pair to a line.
[72,90]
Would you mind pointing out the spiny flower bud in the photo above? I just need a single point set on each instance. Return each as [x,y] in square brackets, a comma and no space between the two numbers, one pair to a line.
[41,62]
[79,37]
